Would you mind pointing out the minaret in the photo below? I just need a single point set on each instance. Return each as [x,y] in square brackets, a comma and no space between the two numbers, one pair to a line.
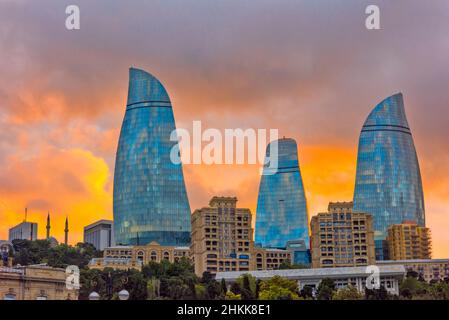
[66,231]
[48,226]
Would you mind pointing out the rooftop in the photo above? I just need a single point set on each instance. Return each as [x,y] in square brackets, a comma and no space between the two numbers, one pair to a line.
[296,274]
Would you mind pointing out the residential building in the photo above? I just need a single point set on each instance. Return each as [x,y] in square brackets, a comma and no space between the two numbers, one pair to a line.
[100,234]
[23,231]
[409,241]
[390,276]
[150,200]
[388,180]
[269,259]
[342,237]
[299,252]
[281,214]
[222,240]
[35,282]
[134,257]
[427,269]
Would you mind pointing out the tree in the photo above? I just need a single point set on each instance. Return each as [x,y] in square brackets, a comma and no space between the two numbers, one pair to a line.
[325,289]
[108,283]
[411,287]
[40,251]
[235,288]
[248,286]
[213,290]
[377,294]
[231,296]
[307,293]
[200,291]
[347,293]
[153,289]
[278,288]
[224,287]
[286,264]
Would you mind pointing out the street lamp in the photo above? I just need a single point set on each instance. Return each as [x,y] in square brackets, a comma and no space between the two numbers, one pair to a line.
[94,296]
[123,295]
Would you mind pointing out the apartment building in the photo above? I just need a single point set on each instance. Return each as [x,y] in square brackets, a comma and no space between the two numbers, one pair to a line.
[342,237]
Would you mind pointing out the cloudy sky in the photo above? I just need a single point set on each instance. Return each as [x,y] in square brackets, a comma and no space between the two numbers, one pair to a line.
[308,68]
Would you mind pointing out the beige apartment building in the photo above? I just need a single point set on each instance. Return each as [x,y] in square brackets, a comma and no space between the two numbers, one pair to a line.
[222,240]
[270,259]
[409,241]
[35,282]
[342,238]
[134,257]
[427,269]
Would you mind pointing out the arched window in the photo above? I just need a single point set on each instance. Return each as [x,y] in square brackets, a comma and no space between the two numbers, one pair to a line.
[166,255]
[153,256]
[140,255]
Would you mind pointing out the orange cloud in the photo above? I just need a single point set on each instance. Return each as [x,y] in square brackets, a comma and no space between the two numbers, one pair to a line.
[70,182]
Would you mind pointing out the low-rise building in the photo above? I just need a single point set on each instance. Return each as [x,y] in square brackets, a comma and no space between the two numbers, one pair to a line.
[409,241]
[35,282]
[100,234]
[270,259]
[134,257]
[23,231]
[427,269]
[342,238]
[390,276]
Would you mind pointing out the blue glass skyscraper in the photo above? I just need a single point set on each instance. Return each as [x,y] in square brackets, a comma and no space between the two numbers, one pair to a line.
[388,181]
[150,199]
[281,214]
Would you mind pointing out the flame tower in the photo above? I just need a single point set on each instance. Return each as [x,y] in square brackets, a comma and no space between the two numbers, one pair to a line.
[150,198]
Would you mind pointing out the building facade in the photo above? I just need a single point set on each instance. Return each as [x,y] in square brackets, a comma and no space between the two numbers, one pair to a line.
[150,199]
[100,234]
[35,282]
[342,237]
[390,277]
[281,214]
[408,241]
[427,269]
[269,259]
[23,231]
[222,240]
[134,257]
[388,180]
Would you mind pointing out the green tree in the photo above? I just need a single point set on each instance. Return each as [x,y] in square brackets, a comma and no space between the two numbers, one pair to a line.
[213,290]
[248,286]
[307,293]
[235,288]
[325,289]
[278,288]
[232,296]
[347,293]
[411,287]
[200,291]
[286,264]
[224,287]
[40,251]
[378,294]
[153,288]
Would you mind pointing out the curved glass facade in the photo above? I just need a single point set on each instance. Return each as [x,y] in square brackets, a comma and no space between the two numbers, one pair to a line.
[281,214]
[388,181]
[150,199]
